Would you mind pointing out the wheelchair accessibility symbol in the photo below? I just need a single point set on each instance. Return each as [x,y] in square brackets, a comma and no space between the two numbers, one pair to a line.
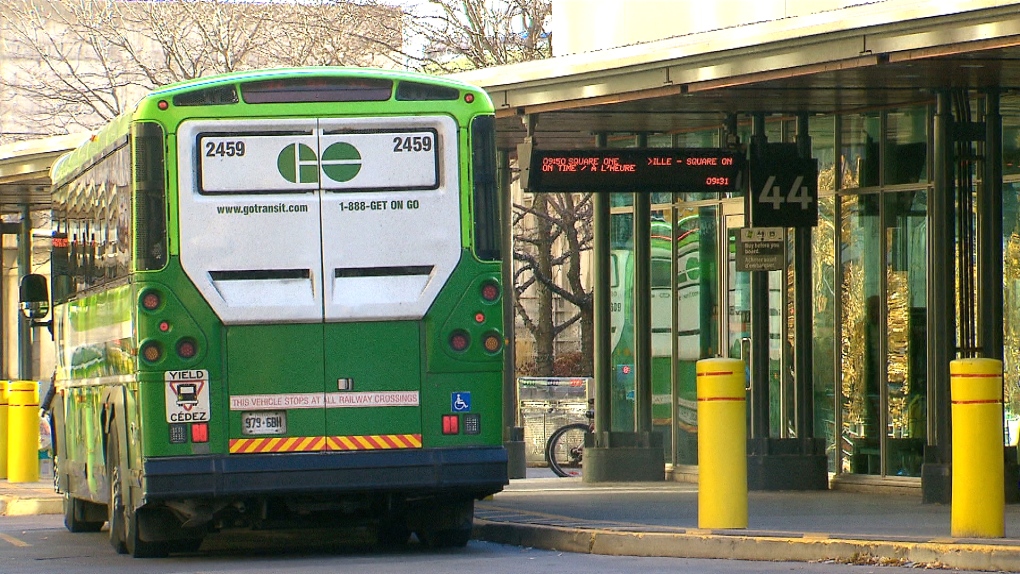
[460,402]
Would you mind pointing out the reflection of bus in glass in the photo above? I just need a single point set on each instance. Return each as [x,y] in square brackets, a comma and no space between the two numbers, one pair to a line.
[688,321]
[277,301]
[697,322]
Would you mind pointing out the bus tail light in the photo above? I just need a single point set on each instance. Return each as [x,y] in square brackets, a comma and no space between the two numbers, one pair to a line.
[459,340]
[451,424]
[199,432]
[492,342]
[151,300]
[490,291]
[187,348]
[152,351]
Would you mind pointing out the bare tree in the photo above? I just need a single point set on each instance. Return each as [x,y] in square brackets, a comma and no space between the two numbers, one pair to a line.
[550,248]
[75,64]
[443,36]
[552,234]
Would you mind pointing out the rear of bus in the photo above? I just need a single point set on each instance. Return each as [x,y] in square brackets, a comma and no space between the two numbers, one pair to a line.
[325,332]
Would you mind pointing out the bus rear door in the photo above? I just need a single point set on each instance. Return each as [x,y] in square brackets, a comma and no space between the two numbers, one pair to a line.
[390,240]
[250,242]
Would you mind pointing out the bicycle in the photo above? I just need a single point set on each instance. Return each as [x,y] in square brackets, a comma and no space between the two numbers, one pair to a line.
[564,451]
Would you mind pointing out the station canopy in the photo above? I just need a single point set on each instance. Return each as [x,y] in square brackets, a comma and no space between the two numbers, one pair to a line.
[881,54]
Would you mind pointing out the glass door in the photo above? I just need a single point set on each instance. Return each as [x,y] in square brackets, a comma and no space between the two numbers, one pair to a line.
[737,323]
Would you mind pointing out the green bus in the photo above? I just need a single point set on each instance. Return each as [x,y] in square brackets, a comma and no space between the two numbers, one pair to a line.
[277,301]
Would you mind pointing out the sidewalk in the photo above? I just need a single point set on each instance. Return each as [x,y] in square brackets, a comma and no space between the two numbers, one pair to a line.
[661,519]
[28,498]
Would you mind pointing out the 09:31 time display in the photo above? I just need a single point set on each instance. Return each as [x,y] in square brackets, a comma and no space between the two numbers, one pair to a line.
[717,181]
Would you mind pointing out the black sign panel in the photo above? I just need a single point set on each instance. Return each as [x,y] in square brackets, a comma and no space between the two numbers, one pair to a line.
[631,170]
[784,188]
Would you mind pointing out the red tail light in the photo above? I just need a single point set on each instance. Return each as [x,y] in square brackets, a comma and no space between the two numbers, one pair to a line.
[459,341]
[187,348]
[151,300]
[199,432]
[490,291]
[451,424]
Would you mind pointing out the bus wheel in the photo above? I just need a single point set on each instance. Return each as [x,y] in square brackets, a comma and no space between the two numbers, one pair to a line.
[392,530]
[78,512]
[115,514]
[138,547]
[447,524]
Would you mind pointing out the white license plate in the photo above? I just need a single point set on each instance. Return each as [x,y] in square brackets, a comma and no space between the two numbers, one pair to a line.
[263,423]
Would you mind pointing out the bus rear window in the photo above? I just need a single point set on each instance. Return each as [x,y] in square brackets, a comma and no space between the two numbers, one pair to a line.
[317,89]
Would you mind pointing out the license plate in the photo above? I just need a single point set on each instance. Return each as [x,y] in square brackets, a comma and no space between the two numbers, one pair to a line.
[263,423]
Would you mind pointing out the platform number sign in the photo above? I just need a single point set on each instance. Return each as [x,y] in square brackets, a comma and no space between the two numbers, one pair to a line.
[784,188]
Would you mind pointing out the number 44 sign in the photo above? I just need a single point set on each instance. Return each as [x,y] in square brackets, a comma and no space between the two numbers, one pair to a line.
[784,188]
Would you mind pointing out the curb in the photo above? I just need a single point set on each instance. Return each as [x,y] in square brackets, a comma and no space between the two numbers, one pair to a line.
[27,506]
[960,555]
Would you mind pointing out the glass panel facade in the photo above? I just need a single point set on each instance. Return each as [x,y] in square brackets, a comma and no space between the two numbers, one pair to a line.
[661,274]
[860,293]
[906,146]
[621,245]
[824,299]
[1011,308]
[1010,110]
[906,382]
[697,283]
[859,149]
[869,297]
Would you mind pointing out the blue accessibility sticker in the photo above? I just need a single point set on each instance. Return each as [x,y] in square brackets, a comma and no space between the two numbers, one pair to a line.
[460,402]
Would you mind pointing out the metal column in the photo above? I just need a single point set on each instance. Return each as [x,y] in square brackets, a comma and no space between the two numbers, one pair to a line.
[513,434]
[642,308]
[803,336]
[759,367]
[989,209]
[935,472]
[603,367]
[24,268]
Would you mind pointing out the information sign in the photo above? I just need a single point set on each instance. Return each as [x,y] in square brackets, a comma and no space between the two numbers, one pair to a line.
[761,249]
[643,170]
[784,188]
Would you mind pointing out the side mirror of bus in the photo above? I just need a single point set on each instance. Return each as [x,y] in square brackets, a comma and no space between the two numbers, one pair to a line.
[34,297]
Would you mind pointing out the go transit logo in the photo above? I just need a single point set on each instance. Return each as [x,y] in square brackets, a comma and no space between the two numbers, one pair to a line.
[298,163]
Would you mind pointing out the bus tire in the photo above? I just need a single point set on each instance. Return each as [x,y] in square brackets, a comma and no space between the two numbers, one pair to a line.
[447,523]
[138,547]
[115,514]
[78,512]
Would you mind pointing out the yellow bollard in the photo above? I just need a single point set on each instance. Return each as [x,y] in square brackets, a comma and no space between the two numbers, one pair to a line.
[722,444]
[3,429]
[23,431]
[979,500]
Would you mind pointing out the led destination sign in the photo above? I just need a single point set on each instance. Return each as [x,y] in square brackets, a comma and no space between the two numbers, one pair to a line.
[632,170]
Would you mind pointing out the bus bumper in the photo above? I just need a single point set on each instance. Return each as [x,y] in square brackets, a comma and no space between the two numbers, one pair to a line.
[481,471]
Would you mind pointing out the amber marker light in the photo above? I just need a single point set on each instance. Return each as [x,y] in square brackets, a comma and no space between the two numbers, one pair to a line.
[152,352]
[492,342]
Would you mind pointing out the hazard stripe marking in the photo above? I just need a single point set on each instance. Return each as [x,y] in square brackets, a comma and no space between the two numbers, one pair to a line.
[277,444]
[375,442]
[323,443]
